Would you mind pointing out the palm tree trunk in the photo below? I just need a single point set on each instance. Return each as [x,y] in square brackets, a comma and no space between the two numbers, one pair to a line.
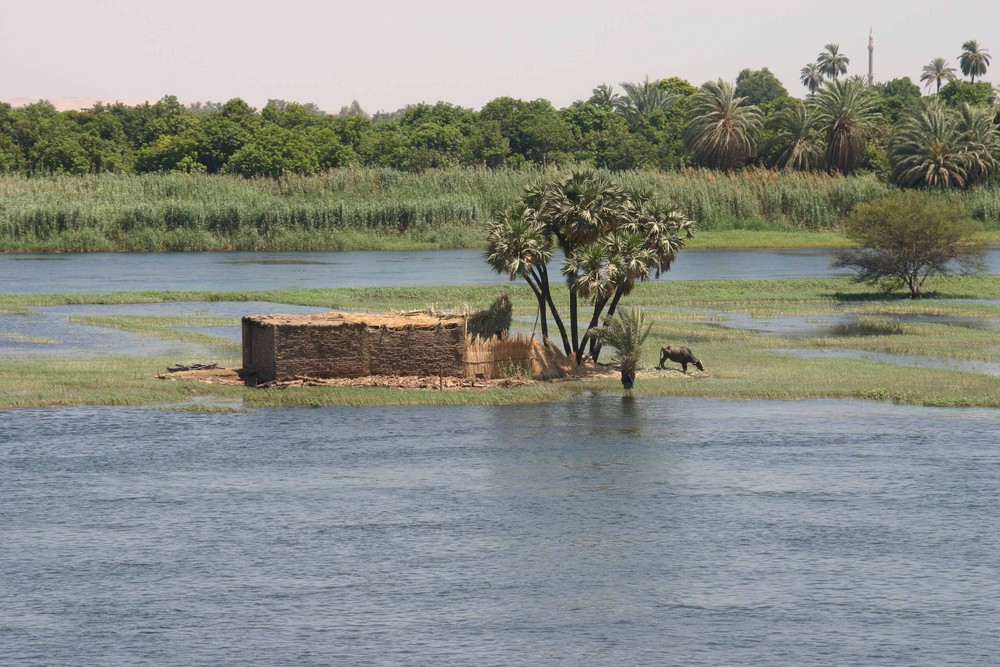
[543,273]
[594,321]
[533,283]
[573,325]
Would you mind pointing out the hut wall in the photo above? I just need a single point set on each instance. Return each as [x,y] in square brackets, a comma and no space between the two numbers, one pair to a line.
[287,349]
[414,351]
[321,351]
[258,349]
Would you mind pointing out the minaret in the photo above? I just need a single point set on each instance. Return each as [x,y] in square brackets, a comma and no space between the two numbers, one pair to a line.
[871,58]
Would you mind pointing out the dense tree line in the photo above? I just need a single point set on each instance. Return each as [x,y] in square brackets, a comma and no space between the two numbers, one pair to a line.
[949,139]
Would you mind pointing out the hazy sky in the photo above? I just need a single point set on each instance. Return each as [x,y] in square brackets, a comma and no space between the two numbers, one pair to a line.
[388,53]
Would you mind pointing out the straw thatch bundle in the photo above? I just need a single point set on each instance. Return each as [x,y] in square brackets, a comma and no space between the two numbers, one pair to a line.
[512,356]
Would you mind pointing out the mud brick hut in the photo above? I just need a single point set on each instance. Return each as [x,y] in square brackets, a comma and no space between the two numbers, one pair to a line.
[350,345]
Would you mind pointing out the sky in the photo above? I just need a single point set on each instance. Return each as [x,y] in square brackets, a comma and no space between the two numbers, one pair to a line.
[389,53]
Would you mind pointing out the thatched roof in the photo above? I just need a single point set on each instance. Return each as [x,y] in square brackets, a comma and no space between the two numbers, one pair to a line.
[415,320]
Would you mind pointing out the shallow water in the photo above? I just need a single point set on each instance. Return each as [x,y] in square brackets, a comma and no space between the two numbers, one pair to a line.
[48,331]
[254,271]
[599,532]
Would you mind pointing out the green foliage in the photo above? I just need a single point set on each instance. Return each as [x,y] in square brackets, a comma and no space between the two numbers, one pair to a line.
[274,152]
[957,93]
[642,100]
[895,98]
[907,238]
[759,87]
[937,146]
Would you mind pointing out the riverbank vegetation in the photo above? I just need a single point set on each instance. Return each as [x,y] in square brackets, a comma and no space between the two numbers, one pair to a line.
[732,155]
[881,343]
[357,208]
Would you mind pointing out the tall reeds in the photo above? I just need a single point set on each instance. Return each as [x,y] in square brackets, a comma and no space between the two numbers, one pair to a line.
[355,207]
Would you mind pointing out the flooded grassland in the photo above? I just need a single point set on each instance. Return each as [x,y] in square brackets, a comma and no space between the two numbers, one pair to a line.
[759,339]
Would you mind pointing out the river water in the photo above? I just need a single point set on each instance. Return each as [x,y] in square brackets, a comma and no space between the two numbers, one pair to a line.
[254,271]
[600,531]
[597,531]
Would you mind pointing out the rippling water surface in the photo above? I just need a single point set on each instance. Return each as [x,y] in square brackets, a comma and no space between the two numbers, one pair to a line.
[595,532]
[247,271]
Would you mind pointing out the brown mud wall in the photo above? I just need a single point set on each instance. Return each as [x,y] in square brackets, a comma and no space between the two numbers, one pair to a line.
[350,350]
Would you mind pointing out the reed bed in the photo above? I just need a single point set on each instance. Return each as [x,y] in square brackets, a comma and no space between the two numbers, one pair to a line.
[381,208]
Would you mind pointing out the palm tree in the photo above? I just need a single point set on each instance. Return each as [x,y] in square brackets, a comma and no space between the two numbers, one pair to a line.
[925,149]
[981,142]
[831,62]
[663,226]
[845,113]
[517,244]
[626,333]
[937,146]
[604,96]
[720,132]
[578,210]
[611,239]
[641,100]
[936,72]
[974,60]
[811,77]
[797,133]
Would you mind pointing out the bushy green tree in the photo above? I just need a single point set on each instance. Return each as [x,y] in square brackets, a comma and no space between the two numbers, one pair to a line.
[274,151]
[759,87]
[907,238]
[534,130]
[957,93]
[894,98]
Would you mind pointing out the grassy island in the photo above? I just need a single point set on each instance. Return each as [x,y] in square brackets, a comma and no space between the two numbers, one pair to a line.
[861,345]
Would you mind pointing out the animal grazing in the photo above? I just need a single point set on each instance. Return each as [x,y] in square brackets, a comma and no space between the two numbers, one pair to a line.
[680,354]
